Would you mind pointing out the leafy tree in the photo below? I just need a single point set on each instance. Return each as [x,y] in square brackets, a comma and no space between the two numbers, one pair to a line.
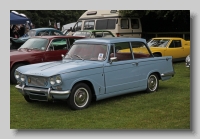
[41,18]
[161,20]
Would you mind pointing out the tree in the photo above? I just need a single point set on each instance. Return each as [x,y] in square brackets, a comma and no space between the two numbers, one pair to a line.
[41,18]
[161,20]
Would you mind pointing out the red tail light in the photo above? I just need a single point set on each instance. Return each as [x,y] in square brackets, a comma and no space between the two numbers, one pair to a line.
[117,34]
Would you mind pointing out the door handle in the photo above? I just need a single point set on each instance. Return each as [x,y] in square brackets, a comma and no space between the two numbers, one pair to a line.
[135,63]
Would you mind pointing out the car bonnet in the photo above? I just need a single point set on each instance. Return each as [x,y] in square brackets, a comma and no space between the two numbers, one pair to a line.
[59,67]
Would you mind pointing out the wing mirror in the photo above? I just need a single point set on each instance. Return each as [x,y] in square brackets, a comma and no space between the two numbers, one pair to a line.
[62,56]
[113,59]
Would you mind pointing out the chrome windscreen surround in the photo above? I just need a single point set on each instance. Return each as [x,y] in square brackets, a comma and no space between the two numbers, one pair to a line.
[37,81]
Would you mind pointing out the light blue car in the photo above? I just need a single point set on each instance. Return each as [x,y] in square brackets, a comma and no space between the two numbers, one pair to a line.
[96,69]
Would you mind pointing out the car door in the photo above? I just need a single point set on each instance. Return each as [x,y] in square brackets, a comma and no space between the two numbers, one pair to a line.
[121,75]
[56,48]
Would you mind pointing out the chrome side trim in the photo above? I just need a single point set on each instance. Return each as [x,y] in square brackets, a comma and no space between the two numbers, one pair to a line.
[40,90]
[167,74]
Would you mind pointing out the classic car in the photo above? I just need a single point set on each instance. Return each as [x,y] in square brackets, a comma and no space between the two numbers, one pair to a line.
[15,43]
[178,48]
[187,61]
[39,49]
[93,69]
[94,33]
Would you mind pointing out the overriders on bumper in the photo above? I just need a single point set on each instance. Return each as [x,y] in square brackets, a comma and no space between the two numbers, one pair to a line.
[49,92]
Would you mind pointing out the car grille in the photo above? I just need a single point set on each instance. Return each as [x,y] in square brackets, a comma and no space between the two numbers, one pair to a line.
[37,81]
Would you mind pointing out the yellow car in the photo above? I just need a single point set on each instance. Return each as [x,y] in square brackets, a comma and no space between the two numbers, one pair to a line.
[178,48]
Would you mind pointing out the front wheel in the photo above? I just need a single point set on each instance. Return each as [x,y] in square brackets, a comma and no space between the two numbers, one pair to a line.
[152,83]
[26,97]
[80,97]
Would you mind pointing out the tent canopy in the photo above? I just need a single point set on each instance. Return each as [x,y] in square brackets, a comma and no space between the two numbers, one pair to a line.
[17,19]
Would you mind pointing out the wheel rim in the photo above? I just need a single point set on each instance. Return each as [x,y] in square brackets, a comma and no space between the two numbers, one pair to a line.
[152,83]
[81,97]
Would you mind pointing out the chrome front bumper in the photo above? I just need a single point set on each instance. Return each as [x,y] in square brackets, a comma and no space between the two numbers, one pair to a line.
[49,92]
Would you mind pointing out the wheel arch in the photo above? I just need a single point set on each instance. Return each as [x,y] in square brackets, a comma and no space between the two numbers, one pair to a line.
[19,62]
[157,53]
[90,85]
[155,72]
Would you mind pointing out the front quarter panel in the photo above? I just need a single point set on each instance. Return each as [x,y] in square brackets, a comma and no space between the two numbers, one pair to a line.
[94,75]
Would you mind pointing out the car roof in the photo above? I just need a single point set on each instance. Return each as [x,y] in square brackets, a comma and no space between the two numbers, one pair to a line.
[110,40]
[167,38]
[94,31]
[44,29]
[52,37]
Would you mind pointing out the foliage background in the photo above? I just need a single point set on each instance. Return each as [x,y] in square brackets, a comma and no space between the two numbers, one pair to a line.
[152,20]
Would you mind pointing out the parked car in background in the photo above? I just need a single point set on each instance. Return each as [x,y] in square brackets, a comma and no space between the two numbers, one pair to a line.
[40,49]
[178,48]
[93,69]
[15,43]
[94,33]
[187,61]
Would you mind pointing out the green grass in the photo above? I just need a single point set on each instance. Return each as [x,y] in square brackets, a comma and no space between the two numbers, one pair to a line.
[168,108]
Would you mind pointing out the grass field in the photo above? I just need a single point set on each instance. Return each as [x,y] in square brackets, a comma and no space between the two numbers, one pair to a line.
[168,108]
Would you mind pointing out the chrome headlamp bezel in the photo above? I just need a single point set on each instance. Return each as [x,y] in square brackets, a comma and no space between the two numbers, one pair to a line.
[17,75]
[22,78]
[55,80]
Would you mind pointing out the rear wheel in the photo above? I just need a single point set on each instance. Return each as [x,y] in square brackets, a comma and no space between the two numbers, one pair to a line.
[80,97]
[12,73]
[152,83]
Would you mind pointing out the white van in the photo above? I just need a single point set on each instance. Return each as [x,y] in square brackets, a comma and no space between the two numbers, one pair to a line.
[109,20]
[67,26]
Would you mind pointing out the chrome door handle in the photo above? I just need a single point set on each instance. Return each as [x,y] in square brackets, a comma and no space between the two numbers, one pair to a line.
[135,63]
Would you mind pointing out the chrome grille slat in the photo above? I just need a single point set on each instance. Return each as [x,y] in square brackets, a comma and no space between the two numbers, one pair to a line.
[37,81]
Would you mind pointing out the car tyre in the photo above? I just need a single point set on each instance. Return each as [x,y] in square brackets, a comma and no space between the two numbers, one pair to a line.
[80,97]
[152,83]
[12,72]
[26,97]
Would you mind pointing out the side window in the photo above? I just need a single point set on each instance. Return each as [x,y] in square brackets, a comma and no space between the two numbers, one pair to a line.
[56,33]
[106,24]
[122,51]
[124,24]
[89,25]
[99,34]
[107,35]
[77,26]
[58,44]
[175,44]
[70,42]
[134,23]
[43,33]
[101,24]
[140,50]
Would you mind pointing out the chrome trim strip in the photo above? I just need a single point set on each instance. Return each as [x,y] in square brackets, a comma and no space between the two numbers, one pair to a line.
[167,74]
[40,90]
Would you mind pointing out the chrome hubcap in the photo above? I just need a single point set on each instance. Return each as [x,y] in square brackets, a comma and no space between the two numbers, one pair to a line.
[81,97]
[152,83]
